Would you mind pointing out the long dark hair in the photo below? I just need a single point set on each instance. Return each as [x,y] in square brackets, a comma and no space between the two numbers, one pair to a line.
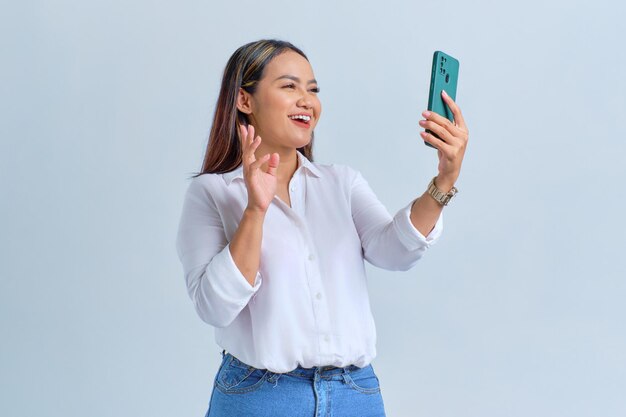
[243,70]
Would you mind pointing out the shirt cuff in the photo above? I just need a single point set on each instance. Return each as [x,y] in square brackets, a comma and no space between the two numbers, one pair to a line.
[410,237]
[224,270]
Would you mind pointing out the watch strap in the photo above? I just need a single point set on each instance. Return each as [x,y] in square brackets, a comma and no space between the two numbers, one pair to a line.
[440,196]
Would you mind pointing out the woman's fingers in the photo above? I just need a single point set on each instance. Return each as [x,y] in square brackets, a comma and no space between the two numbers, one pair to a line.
[436,142]
[257,164]
[243,136]
[441,121]
[255,144]
[456,111]
[246,135]
[249,144]
[272,166]
[437,129]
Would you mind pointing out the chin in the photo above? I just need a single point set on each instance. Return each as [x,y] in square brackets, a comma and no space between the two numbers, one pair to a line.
[303,143]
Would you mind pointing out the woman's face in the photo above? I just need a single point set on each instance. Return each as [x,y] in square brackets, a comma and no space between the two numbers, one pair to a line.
[285,107]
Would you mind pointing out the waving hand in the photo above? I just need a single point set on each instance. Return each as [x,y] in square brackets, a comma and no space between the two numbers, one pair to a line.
[261,185]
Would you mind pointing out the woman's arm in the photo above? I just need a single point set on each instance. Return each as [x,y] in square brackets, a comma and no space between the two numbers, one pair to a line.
[223,276]
[215,283]
[425,211]
[245,246]
[450,150]
[398,243]
[391,243]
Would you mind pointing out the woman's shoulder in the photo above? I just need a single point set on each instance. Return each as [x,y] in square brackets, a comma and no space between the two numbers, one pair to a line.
[203,180]
[206,185]
[209,179]
[336,170]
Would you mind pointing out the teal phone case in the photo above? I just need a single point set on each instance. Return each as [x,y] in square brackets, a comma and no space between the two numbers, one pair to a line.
[444,76]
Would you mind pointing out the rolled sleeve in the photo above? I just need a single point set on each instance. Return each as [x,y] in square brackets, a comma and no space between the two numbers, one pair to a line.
[215,284]
[222,291]
[240,282]
[410,237]
[388,242]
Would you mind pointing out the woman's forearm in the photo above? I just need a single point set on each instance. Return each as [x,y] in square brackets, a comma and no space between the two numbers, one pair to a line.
[426,210]
[245,247]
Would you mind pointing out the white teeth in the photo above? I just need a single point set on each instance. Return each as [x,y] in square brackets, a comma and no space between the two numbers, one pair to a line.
[302,117]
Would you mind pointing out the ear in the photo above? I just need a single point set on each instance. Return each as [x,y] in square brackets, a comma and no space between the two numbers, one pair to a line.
[244,101]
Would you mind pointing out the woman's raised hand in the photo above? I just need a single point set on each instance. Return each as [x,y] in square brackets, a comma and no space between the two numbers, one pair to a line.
[261,185]
[451,147]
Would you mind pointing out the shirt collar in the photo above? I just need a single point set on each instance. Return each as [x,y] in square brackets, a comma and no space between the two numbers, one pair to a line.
[303,162]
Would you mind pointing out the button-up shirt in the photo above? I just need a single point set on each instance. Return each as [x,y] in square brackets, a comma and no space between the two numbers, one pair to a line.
[309,304]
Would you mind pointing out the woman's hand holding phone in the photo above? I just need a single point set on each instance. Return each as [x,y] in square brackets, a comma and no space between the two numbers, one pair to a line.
[451,144]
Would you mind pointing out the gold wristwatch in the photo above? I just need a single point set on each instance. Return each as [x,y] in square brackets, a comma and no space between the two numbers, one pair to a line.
[439,196]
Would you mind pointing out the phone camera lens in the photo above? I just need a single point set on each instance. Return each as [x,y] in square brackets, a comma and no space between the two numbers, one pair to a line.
[447,77]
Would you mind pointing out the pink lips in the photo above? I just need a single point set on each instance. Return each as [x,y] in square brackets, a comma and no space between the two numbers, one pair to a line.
[300,123]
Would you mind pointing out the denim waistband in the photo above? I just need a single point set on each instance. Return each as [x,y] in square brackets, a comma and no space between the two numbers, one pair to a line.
[309,373]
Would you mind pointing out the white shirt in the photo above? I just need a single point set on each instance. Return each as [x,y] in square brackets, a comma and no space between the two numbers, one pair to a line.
[309,305]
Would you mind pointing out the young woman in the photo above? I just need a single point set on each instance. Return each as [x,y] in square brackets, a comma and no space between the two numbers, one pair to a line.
[273,245]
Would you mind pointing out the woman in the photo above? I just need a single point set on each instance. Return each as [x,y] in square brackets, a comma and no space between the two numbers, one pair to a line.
[273,244]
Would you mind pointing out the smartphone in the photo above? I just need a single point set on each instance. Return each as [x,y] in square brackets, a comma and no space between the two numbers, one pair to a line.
[444,76]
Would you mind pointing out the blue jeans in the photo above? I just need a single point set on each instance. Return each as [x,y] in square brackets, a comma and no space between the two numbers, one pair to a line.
[241,390]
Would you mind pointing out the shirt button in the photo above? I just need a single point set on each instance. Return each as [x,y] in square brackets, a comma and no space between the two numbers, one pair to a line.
[311,257]
[293,189]
[319,295]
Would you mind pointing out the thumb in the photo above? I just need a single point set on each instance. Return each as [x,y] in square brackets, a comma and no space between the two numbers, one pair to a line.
[272,164]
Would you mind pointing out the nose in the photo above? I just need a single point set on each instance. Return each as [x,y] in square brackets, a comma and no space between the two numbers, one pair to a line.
[305,101]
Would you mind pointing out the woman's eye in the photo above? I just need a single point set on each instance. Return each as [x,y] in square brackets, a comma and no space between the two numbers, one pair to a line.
[314,90]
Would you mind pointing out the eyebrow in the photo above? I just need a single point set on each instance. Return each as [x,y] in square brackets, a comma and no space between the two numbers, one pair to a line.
[296,79]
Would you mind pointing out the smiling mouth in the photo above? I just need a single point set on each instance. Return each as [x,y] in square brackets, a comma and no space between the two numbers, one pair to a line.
[301,118]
